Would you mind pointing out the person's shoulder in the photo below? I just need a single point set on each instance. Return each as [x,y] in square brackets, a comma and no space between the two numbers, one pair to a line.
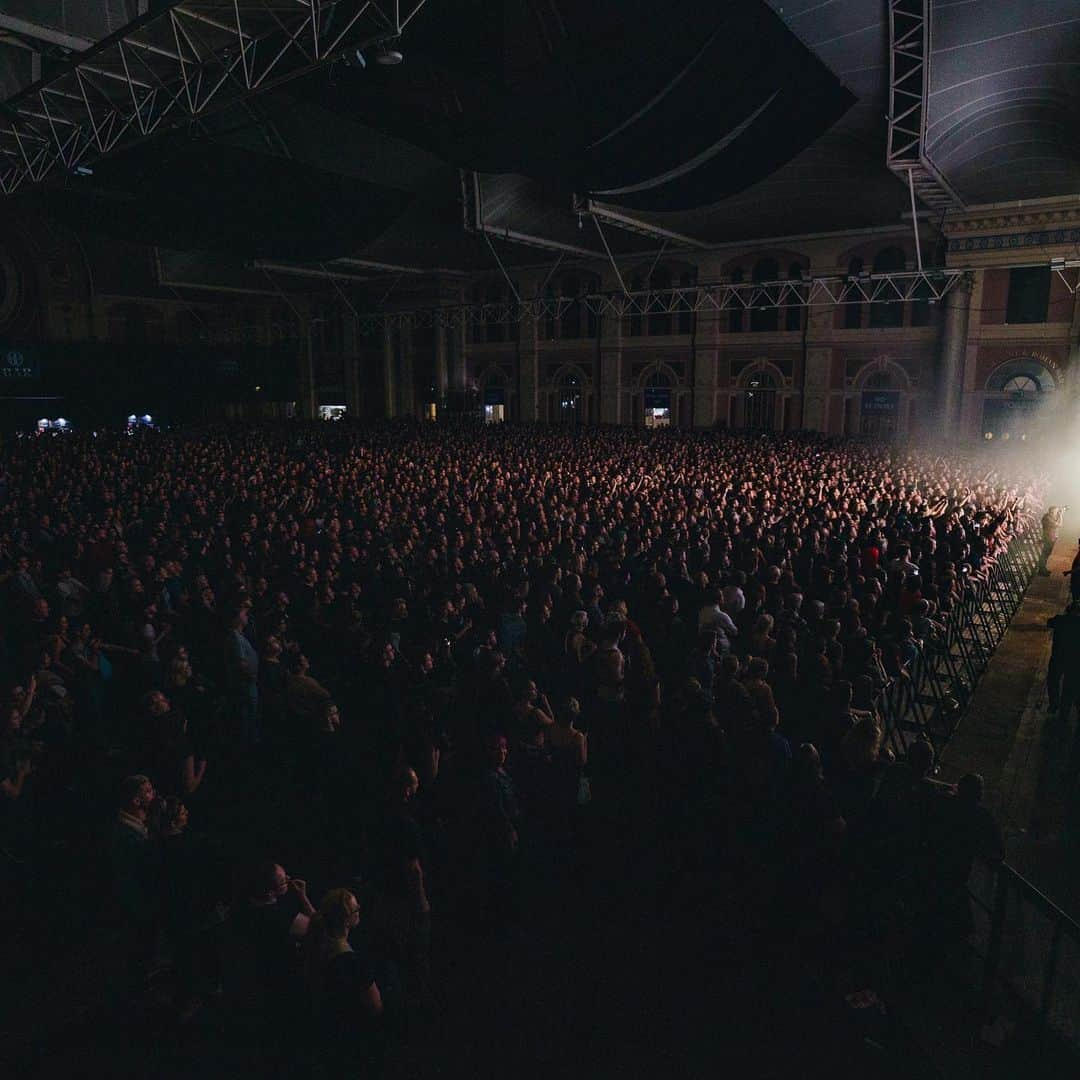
[352,970]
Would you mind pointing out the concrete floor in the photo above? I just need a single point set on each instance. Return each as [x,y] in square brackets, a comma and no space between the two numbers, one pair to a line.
[1021,752]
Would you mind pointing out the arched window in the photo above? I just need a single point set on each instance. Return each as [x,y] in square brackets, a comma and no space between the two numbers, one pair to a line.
[1021,384]
[735,315]
[760,402]
[853,313]
[1016,395]
[880,380]
[889,260]
[764,318]
[793,315]
[661,298]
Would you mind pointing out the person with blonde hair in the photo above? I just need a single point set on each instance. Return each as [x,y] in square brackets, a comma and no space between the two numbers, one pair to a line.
[345,998]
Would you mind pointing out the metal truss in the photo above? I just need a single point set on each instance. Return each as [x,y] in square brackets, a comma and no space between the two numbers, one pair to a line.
[909,78]
[174,66]
[620,220]
[1059,266]
[472,207]
[930,286]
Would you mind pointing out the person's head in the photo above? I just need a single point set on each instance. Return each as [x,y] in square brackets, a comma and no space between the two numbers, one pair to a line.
[329,717]
[404,785]
[238,619]
[757,669]
[527,692]
[155,703]
[269,882]
[497,751]
[179,671]
[337,915]
[569,714]
[862,744]
[579,621]
[170,816]
[136,795]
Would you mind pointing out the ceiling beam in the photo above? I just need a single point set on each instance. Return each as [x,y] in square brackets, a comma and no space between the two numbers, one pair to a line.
[394,268]
[47,34]
[609,215]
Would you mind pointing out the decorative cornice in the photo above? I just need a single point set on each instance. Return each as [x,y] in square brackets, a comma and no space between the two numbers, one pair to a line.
[1015,241]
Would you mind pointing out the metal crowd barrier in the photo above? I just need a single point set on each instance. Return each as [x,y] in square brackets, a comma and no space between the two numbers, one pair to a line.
[1028,950]
[940,682]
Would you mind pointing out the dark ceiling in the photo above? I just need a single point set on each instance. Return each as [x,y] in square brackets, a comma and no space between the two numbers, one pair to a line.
[724,121]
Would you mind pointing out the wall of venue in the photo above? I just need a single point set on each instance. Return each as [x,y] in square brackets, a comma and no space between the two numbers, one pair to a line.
[843,370]
[100,321]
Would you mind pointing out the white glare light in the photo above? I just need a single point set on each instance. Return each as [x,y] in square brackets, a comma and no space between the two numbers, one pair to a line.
[146,419]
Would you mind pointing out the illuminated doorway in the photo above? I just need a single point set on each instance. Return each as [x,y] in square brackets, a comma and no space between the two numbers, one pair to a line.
[657,401]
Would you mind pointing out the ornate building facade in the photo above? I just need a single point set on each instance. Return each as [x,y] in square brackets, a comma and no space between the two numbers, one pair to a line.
[995,355]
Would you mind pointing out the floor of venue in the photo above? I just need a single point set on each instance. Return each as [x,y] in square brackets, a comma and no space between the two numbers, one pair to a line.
[1021,751]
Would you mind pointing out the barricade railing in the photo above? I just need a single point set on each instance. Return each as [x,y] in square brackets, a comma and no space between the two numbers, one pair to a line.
[1028,950]
[931,696]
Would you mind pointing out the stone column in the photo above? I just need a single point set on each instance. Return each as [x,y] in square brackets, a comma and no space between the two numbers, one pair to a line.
[390,375]
[951,358]
[706,365]
[815,413]
[529,369]
[611,371]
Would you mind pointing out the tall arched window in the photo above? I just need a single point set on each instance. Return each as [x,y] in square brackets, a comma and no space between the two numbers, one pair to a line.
[889,260]
[1017,393]
[853,313]
[735,315]
[765,319]
[793,315]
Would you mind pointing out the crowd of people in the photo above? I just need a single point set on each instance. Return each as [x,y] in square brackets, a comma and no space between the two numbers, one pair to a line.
[440,654]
